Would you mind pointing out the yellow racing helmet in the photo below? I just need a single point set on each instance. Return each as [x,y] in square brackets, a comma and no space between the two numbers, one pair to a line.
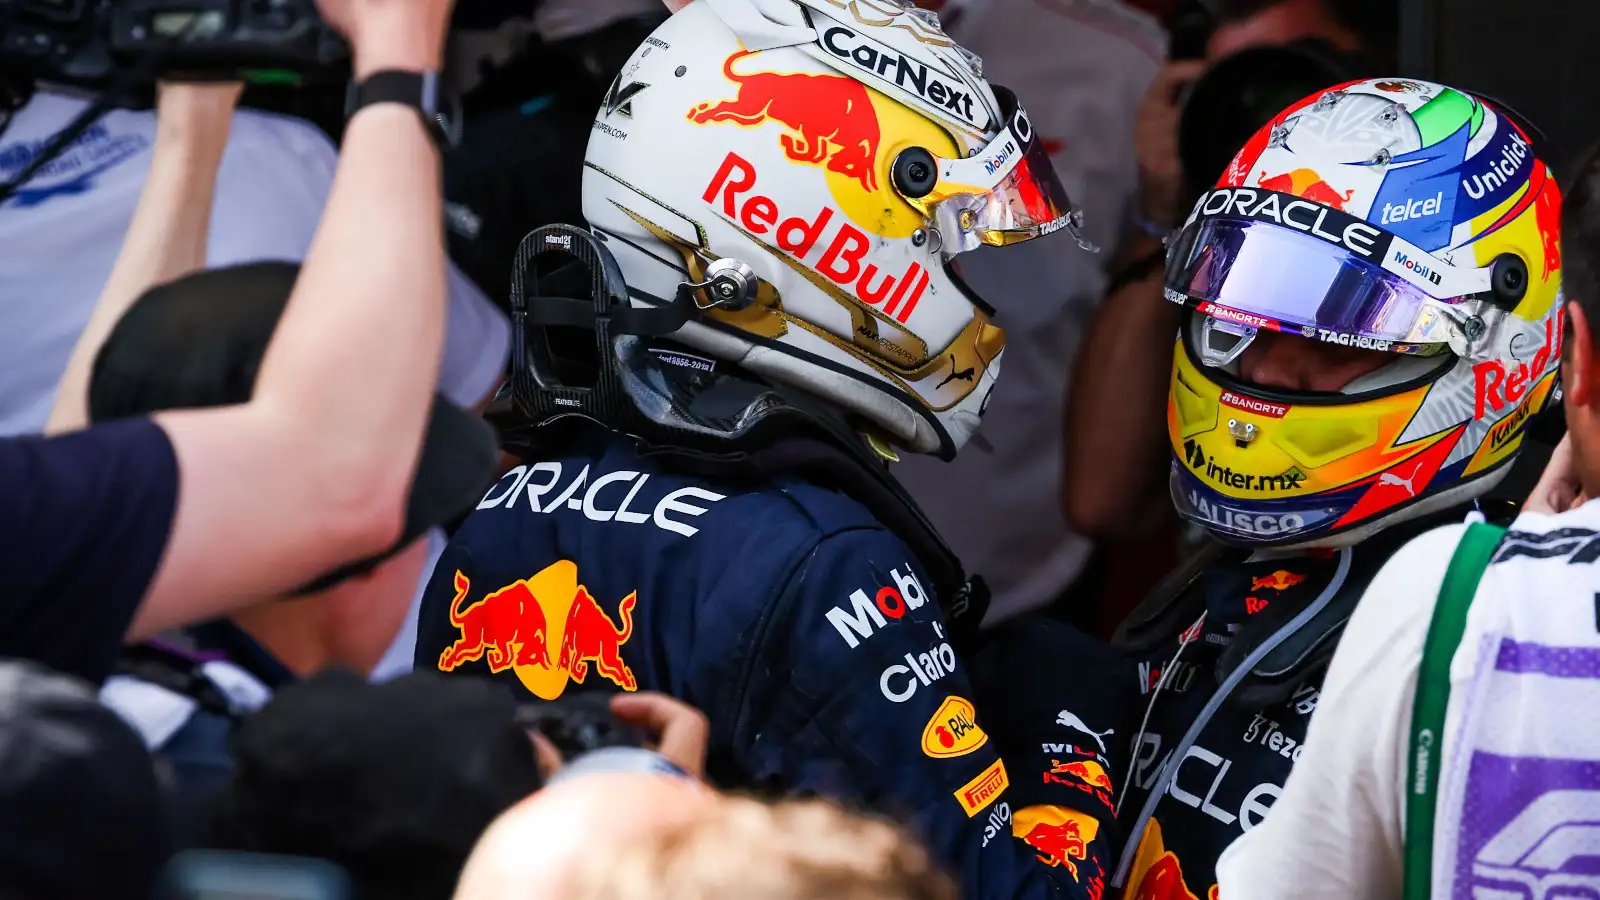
[1392,215]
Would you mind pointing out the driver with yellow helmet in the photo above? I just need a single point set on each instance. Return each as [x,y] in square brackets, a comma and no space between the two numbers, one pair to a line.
[1371,318]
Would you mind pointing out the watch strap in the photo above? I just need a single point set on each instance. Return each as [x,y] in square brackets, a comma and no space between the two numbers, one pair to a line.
[419,90]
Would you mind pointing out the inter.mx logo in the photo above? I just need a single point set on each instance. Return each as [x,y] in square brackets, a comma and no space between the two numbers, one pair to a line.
[869,613]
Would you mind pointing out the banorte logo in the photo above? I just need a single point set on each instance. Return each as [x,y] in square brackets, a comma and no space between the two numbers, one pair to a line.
[837,124]
[548,628]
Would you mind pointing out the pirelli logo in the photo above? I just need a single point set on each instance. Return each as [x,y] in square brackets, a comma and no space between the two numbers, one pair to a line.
[981,791]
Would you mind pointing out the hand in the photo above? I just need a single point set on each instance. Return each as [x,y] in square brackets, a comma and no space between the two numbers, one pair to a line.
[1155,142]
[390,34]
[1559,488]
[681,731]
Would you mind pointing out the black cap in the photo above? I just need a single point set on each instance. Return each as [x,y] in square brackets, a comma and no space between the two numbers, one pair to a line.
[198,342]
[393,781]
[80,807]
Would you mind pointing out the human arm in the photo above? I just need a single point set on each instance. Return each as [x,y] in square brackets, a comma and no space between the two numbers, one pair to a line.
[313,471]
[850,700]
[1336,831]
[167,236]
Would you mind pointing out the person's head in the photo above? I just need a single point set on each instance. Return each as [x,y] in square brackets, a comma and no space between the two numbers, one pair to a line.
[758,851]
[1580,362]
[394,782]
[1372,316]
[1348,26]
[80,804]
[831,182]
[539,847]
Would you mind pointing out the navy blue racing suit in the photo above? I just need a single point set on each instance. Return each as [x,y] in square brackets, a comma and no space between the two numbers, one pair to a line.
[802,627]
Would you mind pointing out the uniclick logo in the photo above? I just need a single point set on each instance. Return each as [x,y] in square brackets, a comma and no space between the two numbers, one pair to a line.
[1501,171]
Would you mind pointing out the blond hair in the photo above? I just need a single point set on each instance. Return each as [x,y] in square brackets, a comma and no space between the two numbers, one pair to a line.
[757,851]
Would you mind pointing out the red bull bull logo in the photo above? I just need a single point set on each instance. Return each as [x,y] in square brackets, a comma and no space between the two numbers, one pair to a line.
[1308,185]
[829,119]
[1280,581]
[1087,771]
[523,625]
[1059,836]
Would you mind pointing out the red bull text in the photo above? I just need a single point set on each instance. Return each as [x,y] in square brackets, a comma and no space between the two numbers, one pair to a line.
[1498,385]
[842,259]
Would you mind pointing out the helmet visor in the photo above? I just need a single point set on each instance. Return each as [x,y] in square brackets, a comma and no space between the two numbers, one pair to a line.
[1006,194]
[1288,281]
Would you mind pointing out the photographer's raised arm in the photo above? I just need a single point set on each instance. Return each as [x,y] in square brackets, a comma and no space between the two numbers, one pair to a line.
[167,236]
[313,472]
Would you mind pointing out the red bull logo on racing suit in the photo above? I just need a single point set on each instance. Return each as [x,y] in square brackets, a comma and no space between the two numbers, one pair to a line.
[548,628]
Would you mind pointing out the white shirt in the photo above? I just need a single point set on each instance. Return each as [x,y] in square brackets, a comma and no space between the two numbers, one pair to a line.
[1336,831]
[60,234]
[1080,68]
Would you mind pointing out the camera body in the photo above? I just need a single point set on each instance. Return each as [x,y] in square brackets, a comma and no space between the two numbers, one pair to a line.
[94,44]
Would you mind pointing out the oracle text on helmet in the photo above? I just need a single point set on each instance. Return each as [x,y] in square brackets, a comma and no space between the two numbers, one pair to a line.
[1319,221]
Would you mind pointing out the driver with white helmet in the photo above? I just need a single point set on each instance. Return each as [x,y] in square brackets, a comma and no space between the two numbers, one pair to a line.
[708,386]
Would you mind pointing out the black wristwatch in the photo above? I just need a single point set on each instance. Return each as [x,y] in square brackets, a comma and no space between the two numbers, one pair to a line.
[420,91]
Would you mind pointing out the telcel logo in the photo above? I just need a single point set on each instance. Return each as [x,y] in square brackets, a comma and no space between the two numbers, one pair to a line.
[1394,213]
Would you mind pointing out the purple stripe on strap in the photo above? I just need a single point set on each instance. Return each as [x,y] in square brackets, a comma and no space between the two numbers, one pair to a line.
[1557,662]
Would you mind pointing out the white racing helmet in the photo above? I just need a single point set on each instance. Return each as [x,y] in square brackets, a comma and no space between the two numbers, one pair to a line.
[811,169]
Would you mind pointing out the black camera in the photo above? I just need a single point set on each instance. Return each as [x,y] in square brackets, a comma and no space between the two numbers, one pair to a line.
[98,44]
[579,723]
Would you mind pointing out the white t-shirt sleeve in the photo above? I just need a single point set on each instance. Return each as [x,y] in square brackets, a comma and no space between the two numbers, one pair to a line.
[477,343]
[273,184]
[1336,831]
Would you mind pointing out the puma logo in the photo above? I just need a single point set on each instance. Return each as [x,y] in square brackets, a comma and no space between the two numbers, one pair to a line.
[966,374]
[1397,481]
[1067,719]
